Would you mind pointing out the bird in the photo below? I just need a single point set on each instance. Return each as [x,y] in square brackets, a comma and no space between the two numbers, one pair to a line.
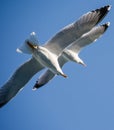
[41,54]
[71,53]
[55,45]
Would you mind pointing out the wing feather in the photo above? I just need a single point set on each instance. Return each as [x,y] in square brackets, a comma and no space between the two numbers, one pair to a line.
[75,30]
[17,81]
[88,38]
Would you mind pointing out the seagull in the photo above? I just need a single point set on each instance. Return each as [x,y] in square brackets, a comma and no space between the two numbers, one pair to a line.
[41,54]
[55,46]
[71,53]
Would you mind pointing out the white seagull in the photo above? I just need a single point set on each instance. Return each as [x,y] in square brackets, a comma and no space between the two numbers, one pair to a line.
[43,56]
[71,53]
[55,46]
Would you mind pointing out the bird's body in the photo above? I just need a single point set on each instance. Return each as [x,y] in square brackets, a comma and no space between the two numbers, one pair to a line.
[42,55]
[46,59]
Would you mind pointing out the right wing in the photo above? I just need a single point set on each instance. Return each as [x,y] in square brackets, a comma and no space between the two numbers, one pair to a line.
[17,81]
[75,30]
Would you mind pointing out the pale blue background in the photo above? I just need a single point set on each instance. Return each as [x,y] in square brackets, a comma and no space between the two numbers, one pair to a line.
[84,101]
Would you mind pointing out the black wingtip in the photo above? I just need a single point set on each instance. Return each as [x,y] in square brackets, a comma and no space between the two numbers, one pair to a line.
[103,9]
[108,7]
[2,104]
[37,86]
[106,25]
[102,12]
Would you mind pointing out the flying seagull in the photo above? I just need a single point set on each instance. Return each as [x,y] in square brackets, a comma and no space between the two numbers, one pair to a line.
[56,45]
[43,56]
[71,53]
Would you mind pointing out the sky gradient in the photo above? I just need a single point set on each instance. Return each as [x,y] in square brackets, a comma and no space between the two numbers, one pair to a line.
[83,101]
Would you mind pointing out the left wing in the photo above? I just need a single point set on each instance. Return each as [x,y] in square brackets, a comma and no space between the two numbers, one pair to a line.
[17,81]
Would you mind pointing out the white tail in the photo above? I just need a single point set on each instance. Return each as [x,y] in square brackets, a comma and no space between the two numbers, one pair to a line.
[25,48]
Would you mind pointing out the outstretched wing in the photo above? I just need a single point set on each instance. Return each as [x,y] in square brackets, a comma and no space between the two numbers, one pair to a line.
[17,81]
[75,30]
[88,38]
[85,40]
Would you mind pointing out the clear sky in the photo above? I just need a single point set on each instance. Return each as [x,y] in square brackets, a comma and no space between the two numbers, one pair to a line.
[85,100]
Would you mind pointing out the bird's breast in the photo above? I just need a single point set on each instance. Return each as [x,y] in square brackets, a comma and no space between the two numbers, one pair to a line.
[46,58]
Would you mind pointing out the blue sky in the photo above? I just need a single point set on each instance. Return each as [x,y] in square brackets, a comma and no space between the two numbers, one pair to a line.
[84,101]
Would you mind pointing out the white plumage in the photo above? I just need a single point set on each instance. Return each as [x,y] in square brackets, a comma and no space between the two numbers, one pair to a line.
[43,56]
[54,46]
